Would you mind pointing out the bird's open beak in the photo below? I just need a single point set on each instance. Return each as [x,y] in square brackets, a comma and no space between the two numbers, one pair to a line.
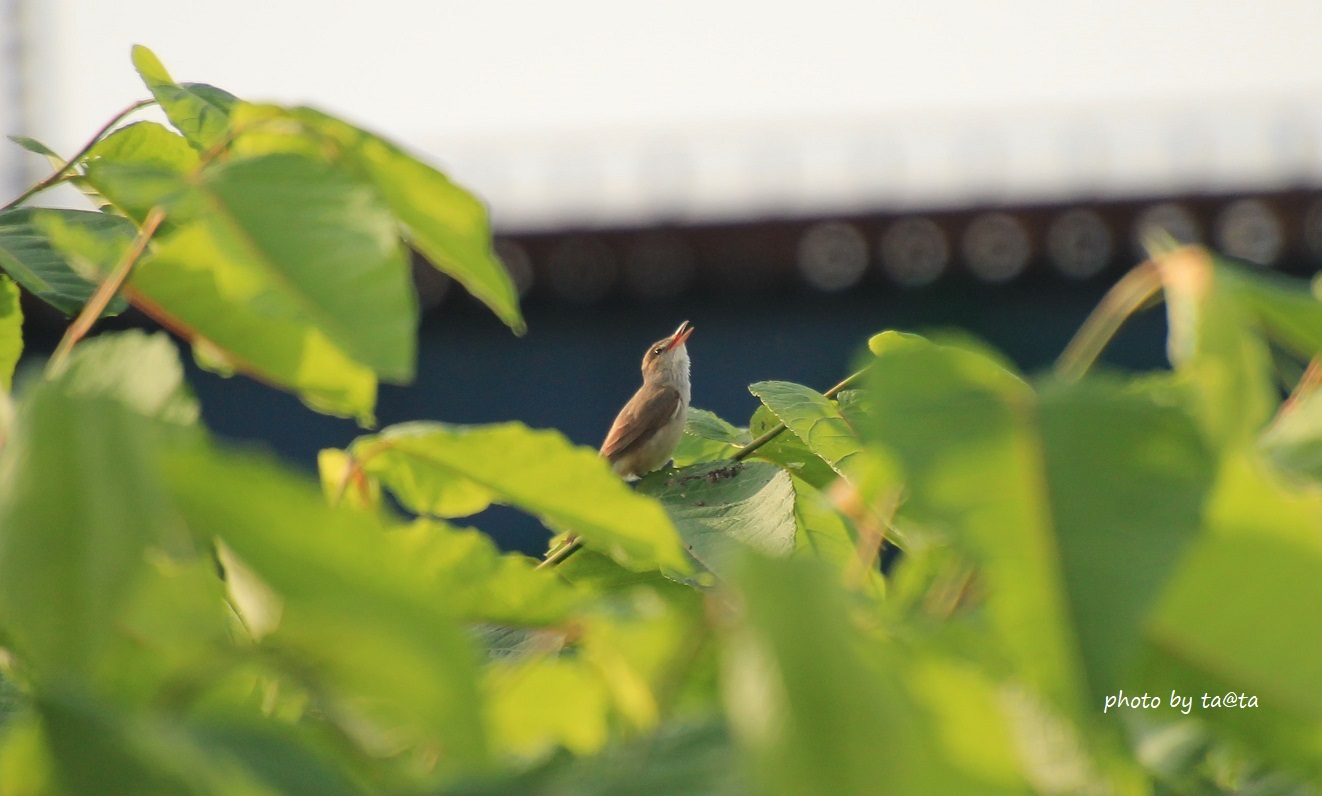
[681,334]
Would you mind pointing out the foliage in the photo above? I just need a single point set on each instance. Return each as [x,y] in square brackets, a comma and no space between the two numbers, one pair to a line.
[178,616]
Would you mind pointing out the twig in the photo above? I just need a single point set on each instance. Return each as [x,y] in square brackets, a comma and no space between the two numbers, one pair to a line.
[104,292]
[1130,294]
[63,171]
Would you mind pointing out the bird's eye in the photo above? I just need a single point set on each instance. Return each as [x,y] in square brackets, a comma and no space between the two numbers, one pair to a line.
[657,351]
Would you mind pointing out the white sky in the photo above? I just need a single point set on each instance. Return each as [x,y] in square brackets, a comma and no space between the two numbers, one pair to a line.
[502,90]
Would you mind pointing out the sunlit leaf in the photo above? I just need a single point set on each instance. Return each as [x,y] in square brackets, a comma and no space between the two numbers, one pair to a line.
[446,223]
[813,418]
[27,254]
[540,472]
[539,704]
[11,332]
[138,370]
[199,111]
[1293,441]
[140,166]
[721,508]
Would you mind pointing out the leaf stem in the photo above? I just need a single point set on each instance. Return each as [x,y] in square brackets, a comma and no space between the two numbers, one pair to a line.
[775,430]
[1125,297]
[59,174]
[104,292]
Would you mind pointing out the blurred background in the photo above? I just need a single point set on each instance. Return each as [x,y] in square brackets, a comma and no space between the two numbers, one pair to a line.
[791,178]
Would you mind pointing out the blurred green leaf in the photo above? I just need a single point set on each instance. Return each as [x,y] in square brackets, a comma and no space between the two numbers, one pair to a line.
[566,486]
[138,370]
[681,759]
[846,722]
[1246,601]
[11,332]
[1127,479]
[199,111]
[813,418]
[962,429]
[360,622]
[720,508]
[1293,442]
[81,500]
[1284,308]
[536,705]
[37,148]
[482,584]
[28,255]
[822,533]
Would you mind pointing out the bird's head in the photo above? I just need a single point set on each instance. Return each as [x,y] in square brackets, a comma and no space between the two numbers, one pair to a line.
[667,360]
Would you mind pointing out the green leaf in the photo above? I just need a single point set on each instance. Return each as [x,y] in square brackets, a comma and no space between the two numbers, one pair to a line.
[813,418]
[1284,308]
[140,166]
[295,277]
[1293,442]
[480,583]
[29,256]
[138,370]
[199,111]
[81,500]
[1240,616]
[37,148]
[721,508]
[354,606]
[823,712]
[962,429]
[1127,480]
[540,472]
[11,332]
[446,223]
[539,704]
[238,318]
[708,438]
[788,451]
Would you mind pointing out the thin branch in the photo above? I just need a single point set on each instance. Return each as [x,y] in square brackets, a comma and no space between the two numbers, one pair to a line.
[1132,293]
[775,430]
[570,546]
[104,293]
[62,172]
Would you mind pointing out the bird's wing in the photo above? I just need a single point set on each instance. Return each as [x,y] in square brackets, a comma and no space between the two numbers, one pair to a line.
[649,408]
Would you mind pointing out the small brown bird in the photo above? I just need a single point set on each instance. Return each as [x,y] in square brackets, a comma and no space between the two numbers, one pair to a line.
[649,427]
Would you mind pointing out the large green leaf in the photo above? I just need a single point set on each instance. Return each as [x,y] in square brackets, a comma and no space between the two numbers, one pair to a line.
[139,167]
[138,370]
[720,508]
[11,332]
[1127,480]
[28,255]
[813,418]
[81,500]
[295,277]
[199,111]
[788,450]
[1243,610]
[360,622]
[567,487]
[441,219]
[822,711]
